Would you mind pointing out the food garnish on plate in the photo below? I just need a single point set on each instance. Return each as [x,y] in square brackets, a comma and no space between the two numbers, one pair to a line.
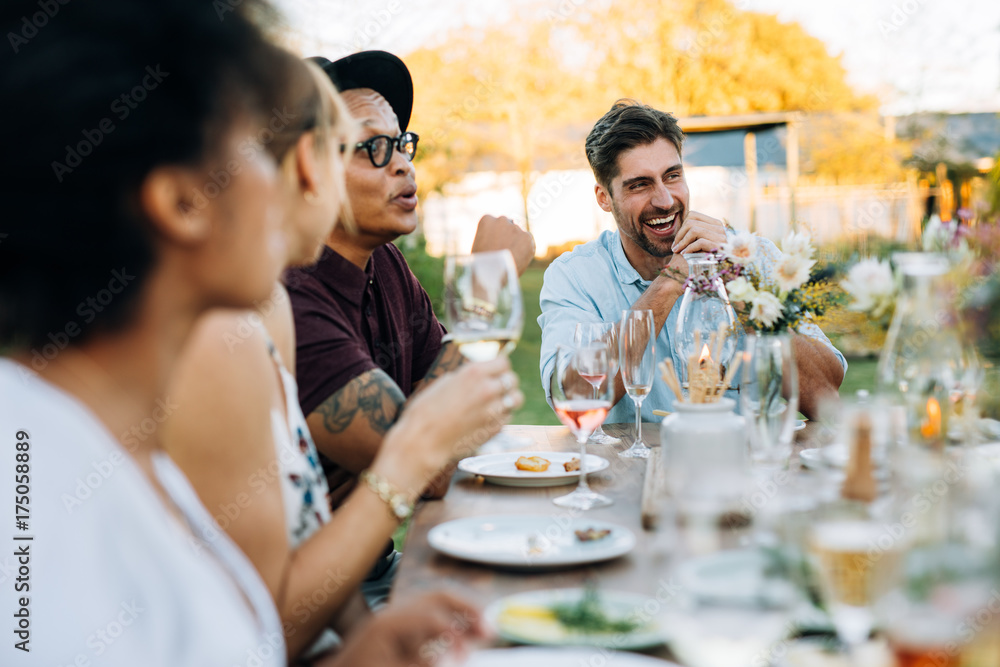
[588,616]
[592,534]
[532,463]
[558,621]
[572,465]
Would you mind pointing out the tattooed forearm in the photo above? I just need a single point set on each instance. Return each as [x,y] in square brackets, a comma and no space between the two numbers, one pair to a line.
[449,359]
[372,395]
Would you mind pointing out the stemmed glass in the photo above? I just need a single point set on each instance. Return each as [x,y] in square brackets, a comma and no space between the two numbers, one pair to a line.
[851,572]
[637,362]
[588,333]
[484,311]
[769,398]
[579,409]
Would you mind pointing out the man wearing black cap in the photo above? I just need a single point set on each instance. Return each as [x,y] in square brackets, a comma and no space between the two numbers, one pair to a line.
[366,334]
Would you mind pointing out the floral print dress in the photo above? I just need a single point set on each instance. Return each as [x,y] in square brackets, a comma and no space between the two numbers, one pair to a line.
[303,484]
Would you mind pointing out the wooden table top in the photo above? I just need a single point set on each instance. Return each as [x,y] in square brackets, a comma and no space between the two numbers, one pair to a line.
[644,570]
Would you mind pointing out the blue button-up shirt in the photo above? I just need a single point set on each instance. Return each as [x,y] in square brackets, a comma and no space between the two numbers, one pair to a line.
[595,283]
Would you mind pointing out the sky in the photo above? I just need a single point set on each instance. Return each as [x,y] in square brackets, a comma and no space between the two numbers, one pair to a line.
[916,55]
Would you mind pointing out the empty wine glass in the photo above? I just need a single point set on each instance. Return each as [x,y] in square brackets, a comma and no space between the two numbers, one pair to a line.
[588,333]
[769,398]
[485,313]
[637,362]
[574,402]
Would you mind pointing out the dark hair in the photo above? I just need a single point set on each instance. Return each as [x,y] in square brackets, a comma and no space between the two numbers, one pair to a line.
[96,95]
[628,124]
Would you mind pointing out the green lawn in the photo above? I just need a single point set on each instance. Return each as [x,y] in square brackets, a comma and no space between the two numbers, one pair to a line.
[860,374]
[525,357]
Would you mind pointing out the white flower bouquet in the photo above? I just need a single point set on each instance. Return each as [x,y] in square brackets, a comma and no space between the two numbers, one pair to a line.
[774,301]
[781,299]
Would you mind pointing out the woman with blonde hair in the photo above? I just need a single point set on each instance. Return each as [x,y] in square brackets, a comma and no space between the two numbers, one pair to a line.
[242,438]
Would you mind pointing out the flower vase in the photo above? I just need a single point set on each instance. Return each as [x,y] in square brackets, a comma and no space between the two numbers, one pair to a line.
[704,310]
[704,451]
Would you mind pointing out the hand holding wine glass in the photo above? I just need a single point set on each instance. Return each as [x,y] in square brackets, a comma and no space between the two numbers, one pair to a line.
[483,304]
[577,407]
[484,311]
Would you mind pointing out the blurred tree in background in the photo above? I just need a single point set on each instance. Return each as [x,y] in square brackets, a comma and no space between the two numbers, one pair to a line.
[496,98]
[522,95]
[852,148]
[707,57]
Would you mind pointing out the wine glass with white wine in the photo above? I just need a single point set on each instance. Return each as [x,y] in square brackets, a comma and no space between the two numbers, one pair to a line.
[485,312]
[600,333]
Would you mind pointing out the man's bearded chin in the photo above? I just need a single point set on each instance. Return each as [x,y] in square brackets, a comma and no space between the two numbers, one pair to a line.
[661,250]
[647,244]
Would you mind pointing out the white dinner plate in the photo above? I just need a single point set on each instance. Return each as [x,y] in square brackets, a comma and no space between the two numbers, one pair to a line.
[739,576]
[736,575]
[528,541]
[559,657]
[525,618]
[501,469]
[988,453]
[831,456]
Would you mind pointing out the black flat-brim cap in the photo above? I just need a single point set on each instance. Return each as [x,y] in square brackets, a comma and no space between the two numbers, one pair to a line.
[381,71]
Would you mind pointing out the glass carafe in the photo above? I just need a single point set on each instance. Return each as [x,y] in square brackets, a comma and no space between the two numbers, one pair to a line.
[704,310]
[927,366]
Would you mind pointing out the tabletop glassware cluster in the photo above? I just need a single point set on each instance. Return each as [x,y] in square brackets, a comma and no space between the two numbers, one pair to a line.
[877,543]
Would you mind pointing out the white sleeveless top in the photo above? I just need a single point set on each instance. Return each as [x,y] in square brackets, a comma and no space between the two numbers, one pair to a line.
[115,579]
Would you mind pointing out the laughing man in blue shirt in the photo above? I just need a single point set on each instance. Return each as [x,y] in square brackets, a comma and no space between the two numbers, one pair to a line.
[635,152]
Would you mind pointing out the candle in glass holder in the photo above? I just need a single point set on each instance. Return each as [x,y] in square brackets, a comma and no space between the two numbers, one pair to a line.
[930,428]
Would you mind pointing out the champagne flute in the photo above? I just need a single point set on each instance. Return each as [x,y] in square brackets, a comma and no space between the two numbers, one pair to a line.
[637,361]
[485,312]
[574,402]
[588,333]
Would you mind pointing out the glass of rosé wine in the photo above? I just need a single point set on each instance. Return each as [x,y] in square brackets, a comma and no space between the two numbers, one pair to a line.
[581,409]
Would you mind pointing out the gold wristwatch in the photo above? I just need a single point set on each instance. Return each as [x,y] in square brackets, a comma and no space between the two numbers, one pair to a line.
[400,507]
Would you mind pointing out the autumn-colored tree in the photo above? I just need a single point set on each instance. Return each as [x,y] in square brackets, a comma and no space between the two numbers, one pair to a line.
[852,148]
[707,57]
[497,97]
[524,93]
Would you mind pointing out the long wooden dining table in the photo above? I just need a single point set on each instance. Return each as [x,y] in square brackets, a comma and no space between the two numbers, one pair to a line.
[645,570]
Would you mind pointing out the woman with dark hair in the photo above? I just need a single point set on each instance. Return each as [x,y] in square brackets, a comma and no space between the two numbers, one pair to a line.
[243,441]
[137,195]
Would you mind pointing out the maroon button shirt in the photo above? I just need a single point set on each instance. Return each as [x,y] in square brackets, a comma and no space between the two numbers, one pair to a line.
[349,321]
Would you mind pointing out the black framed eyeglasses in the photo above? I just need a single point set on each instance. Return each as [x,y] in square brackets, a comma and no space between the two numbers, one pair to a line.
[380,147]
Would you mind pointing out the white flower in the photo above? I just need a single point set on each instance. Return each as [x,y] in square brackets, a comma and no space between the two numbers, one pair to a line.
[798,244]
[740,289]
[872,287]
[766,309]
[741,249]
[792,271]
